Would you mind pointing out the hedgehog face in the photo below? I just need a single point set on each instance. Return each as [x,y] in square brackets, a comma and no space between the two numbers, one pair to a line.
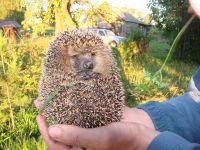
[82,62]
[84,55]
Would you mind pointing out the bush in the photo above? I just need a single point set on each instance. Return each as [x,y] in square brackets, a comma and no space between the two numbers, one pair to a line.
[19,75]
[137,42]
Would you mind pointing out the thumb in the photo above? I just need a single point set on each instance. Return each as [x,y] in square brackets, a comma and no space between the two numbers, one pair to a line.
[102,138]
[195,4]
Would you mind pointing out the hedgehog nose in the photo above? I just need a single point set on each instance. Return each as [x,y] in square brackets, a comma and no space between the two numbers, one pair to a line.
[88,65]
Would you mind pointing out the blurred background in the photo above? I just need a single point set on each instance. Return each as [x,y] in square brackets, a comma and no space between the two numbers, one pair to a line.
[138,32]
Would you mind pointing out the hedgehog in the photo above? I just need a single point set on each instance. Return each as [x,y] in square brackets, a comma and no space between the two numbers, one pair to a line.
[80,82]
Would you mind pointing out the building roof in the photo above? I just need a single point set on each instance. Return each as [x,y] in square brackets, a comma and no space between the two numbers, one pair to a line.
[9,23]
[127,16]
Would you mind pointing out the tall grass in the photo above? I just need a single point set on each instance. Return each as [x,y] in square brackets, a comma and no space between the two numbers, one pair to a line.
[19,74]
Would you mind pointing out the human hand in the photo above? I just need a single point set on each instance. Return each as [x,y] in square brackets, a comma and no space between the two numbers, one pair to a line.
[128,134]
[194,7]
[52,144]
[116,136]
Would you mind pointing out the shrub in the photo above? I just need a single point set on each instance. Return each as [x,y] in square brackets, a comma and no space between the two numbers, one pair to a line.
[19,74]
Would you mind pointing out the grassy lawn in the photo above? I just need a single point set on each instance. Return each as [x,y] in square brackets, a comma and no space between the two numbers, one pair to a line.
[138,71]
[20,71]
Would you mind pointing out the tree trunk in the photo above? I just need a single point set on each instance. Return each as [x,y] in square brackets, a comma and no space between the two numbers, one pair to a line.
[69,4]
[63,18]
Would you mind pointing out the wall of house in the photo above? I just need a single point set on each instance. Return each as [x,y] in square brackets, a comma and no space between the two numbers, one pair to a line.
[126,28]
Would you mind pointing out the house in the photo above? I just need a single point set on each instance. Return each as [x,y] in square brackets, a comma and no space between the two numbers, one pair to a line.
[125,23]
[10,28]
[129,22]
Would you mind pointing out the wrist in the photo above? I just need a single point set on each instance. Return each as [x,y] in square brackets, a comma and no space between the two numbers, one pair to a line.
[146,136]
[136,115]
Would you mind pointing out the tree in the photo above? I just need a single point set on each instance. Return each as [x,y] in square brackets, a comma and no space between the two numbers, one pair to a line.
[69,14]
[35,17]
[63,13]
[171,16]
[94,14]
[12,10]
[66,14]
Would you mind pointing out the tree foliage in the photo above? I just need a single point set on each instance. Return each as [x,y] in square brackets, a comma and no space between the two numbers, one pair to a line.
[35,17]
[91,15]
[171,16]
[64,16]
[12,10]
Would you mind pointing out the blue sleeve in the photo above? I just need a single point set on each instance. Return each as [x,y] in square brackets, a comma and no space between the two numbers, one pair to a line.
[170,141]
[180,115]
[178,119]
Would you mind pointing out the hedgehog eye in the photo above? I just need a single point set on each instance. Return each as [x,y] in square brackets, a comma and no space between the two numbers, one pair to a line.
[74,56]
[93,54]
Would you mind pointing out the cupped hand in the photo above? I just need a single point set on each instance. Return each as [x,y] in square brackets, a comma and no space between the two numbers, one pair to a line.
[51,143]
[136,131]
[116,136]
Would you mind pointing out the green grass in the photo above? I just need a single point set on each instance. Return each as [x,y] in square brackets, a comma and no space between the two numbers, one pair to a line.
[138,72]
[20,71]
[19,74]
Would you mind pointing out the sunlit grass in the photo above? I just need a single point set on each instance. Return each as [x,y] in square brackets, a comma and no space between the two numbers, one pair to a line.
[138,71]
[20,68]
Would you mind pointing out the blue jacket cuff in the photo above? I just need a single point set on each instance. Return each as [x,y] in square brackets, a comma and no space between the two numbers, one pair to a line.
[170,141]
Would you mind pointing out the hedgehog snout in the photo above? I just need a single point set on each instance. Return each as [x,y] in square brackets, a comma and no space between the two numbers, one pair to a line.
[88,64]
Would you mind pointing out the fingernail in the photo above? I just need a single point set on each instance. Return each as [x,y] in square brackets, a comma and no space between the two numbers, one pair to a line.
[54,132]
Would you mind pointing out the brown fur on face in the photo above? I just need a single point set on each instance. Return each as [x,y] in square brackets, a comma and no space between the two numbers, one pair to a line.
[99,56]
[84,44]
[65,59]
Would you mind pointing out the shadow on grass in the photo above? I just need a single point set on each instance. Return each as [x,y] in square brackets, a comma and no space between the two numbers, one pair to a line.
[128,86]
[137,72]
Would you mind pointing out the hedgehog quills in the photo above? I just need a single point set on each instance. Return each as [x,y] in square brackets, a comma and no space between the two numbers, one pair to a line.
[80,83]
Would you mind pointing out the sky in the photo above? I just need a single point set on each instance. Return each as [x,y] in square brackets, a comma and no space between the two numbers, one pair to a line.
[140,5]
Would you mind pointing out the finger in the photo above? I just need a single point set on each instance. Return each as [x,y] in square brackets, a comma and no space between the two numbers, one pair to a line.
[51,143]
[190,10]
[72,135]
[43,130]
[89,138]
[38,103]
[195,4]
[77,148]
